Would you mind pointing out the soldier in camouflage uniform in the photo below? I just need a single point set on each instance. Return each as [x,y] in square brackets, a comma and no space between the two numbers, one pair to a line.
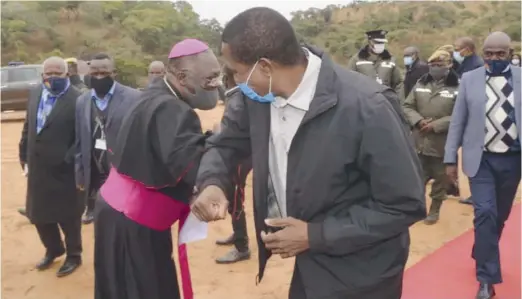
[376,62]
[428,108]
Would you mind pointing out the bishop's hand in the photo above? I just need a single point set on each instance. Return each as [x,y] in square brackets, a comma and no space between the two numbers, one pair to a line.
[210,204]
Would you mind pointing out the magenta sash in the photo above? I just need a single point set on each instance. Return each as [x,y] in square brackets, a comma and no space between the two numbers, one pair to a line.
[150,208]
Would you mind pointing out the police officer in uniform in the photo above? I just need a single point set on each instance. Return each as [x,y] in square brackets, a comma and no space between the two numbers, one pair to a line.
[376,62]
[428,108]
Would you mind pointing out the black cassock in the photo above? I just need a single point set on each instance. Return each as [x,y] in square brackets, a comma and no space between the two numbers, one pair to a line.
[159,148]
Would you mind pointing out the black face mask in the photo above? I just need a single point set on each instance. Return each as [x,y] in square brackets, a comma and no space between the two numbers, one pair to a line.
[101,85]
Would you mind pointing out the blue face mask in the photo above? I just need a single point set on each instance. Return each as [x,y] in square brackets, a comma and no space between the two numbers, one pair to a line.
[251,94]
[56,85]
[408,60]
[497,67]
[458,57]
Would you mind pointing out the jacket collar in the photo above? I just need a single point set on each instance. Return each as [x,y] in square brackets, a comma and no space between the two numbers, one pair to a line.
[325,96]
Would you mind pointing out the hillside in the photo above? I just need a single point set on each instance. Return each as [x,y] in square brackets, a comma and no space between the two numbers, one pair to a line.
[427,25]
[136,33]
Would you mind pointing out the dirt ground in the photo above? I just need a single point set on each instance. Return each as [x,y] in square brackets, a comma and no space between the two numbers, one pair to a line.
[21,248]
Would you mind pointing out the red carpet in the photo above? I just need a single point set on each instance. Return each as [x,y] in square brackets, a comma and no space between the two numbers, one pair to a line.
[449,272]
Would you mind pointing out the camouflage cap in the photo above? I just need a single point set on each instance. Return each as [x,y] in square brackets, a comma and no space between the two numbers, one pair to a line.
[441,56]
[447,48]
[71,60]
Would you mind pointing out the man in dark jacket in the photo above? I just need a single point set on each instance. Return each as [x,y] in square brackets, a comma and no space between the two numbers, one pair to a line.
[47,155]
[99,115]
[465,54]
[236,195]
[345,204]
[415,68]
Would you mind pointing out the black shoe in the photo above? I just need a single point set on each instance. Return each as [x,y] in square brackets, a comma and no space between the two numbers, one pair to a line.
[69,266]
[226,242]
[47,261]
[234,256]
[88,218]
[431,219]
[466,201]
[485,291]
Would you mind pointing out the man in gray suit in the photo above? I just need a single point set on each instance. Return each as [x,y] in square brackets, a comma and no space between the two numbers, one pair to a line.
[486,123]
[99,113]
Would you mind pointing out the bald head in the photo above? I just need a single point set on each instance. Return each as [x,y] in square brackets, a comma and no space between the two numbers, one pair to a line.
[409,51]
[156,69]
[497,40]
[54,66]
[497,46]
[465,45]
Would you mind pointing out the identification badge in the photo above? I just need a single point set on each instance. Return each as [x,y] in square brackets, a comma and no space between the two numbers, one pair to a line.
[100,144]
[379,80]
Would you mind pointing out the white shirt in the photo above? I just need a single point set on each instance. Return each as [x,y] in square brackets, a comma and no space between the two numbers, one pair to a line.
[285,118]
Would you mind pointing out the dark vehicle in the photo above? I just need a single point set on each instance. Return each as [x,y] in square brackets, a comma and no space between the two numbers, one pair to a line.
[17,80]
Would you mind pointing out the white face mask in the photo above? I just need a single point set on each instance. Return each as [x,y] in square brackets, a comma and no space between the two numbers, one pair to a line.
[378,48]
[515,61]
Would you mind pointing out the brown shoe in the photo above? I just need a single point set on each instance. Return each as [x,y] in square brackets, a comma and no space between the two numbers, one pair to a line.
[234,256]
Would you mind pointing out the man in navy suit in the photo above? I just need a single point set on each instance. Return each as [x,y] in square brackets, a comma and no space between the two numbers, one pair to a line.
[486,124]
[99,113]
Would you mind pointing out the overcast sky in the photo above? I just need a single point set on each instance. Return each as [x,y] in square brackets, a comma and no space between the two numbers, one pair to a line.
[224,10]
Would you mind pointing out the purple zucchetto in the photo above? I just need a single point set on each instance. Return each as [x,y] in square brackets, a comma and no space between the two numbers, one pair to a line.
[187,47]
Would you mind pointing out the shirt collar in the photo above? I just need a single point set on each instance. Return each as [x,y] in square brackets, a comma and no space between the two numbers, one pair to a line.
[108,95]
[304,94]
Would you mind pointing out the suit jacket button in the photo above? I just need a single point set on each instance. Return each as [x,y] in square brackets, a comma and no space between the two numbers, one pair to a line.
[297,190]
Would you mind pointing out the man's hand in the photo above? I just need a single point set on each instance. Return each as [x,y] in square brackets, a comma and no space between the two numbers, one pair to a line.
[80,187]
[427,128]
[452,172]
[291,240]
[422,123]
[210,205]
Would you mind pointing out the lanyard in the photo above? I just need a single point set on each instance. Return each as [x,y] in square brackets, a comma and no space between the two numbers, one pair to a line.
[99,119]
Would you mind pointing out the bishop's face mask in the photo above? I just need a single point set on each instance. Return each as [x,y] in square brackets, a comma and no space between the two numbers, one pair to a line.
[198,97]
[254,96]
